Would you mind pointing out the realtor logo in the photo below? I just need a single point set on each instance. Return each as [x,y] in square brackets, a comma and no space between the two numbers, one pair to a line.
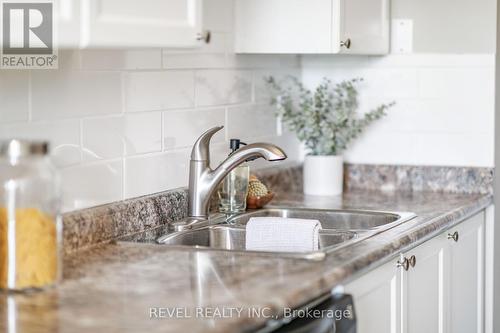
[28,35]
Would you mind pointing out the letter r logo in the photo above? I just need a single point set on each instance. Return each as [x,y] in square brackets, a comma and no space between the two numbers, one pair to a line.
[27,28]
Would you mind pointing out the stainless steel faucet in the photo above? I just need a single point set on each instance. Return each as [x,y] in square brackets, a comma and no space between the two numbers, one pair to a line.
[203,181]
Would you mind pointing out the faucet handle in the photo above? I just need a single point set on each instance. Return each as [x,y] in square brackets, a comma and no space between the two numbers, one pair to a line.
[201,150]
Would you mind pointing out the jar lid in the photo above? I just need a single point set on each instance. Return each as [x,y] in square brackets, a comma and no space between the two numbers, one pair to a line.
[22,148]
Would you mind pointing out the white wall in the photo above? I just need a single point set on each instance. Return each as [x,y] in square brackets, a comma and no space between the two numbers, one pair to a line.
[444,89]
[450,26]
[122,123]
[444,113]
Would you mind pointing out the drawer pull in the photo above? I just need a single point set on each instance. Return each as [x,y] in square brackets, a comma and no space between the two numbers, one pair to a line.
[204,36]
[346,43]
[453,236]
[413,261]
[405,264]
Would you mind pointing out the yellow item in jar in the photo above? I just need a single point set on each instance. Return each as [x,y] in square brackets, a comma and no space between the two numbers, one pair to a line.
[35,249]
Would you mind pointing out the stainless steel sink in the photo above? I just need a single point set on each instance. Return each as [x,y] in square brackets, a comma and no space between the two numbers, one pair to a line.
[229,237]
[329,219]
[340,228]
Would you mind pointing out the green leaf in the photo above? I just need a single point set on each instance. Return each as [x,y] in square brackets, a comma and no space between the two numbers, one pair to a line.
[325,120]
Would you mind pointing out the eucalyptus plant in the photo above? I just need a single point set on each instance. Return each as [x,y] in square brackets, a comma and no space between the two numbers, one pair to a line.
[325,120]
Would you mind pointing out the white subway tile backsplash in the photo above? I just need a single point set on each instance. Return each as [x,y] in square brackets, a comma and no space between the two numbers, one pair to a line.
[374,147]
[456,149]
[253,61]
[262,93]
[455,116]
[417,60]
[122,122]
[102,138]
[377,83]
[14,96]
[472,83]
[402,116]
[121,59]
[249,122]
[444,111]
[194,60]
[182,128]
[90,185]
[142,133]
[219,87]
[212,55]
[155,173]
[63,136]
[112,137]
[72,94]
[147,91]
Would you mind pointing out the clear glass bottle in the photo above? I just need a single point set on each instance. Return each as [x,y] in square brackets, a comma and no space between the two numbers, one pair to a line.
[30,221]
[234,188]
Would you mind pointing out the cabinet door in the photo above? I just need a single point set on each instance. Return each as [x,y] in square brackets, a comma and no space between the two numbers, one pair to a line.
[377,298]
[467,277]
[147,23]
[366,24]
[283,26]
[67,14]
[424,288]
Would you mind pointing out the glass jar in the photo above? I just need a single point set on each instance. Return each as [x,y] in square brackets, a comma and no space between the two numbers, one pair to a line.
[30,221]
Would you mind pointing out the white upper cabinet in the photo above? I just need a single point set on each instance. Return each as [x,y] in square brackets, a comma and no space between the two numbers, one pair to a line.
[312,26]
[366,24]
[130,23]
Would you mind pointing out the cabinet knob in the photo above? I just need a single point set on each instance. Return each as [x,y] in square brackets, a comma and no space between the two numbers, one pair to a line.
[405,263]
[205,36]
[346,43]
[412,261]
[453,236]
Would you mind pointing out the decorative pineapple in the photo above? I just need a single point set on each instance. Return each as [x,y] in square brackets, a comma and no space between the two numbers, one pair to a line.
[258,194]
[256,189]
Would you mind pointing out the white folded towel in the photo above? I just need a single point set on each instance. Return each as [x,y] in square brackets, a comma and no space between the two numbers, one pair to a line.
[282,234]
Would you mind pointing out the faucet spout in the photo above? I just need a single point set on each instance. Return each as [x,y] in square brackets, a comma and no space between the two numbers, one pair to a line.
[203,181]
[252,151]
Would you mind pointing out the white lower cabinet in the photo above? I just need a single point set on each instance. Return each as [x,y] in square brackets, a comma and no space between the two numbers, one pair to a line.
[466,295]
[377,297]
[436,287]
[423,288]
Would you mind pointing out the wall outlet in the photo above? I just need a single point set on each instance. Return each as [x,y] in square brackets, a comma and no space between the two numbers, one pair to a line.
[402,36]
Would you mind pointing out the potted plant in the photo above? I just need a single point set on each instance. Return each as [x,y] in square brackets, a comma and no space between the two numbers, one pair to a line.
[326,122]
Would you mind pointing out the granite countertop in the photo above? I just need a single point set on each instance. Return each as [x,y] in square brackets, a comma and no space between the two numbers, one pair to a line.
[113,288]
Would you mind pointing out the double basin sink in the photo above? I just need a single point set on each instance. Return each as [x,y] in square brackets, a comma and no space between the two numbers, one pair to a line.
[339,228]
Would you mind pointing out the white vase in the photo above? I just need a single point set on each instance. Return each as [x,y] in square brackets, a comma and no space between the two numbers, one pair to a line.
[323,175]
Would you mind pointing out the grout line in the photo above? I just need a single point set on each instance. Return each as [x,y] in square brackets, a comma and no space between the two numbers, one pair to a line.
[80,126]
[94,163]
[160,153]
[162,137]
[124,99]
[195,90]
[124,190]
